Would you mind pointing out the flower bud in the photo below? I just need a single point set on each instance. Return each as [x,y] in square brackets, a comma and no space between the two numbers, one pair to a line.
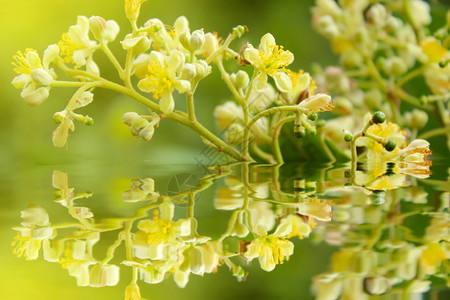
[185,40]
[238,31]
[202,69]
[390,145]
[197,39]
[189,72]
[234,134]
[379,117]
[313,116]
[137,125]
[129,117]
[416,119]
[147,132]
[327,27]
[97,25]
[299,131]
[348,136]
[88,121]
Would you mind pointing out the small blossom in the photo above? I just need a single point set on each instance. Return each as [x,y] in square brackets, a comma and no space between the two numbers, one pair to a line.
[34,76]
[270,250]
[270,59]
[163,76]
[292,225]
[76,47]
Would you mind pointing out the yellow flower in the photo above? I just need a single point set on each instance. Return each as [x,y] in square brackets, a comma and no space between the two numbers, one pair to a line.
[270,250]
[132,292]
[292,225]
[132,8]
[270,59]
[302,86]
[76,47]
[34,76]
[163,76]
[375,150]
[432,48]
[432,257]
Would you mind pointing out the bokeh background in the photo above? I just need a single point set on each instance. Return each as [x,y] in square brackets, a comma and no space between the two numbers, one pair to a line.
[102,158]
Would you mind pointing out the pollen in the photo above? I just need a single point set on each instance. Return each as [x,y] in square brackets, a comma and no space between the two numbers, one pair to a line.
[20,63]
[277,60]
[67,48]
[157,80]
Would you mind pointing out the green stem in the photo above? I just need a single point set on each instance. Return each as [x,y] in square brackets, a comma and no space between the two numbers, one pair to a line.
[67,84]
[259,152]
[291,108]
[191,107]
[128,65]
[409,76]
[112,248]
[113,59]
[275,138]
[435,132]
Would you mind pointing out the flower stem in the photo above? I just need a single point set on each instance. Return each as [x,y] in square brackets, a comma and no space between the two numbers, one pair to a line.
[275,138]
[113,59]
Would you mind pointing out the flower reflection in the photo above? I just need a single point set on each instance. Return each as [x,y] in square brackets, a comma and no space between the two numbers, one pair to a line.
[368,217]
[381,249]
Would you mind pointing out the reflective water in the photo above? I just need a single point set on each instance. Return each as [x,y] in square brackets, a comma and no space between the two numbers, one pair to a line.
[297,231]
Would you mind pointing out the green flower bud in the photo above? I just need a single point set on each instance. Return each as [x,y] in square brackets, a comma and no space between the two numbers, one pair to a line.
[312,130]
[299,131]
[88,121]
[419,118]
[238,31]
[348,136]
[58,117]
[379,117]
[390,145]
[242,80]
[313,116]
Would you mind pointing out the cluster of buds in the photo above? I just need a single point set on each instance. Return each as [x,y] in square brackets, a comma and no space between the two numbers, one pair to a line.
[140,126]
